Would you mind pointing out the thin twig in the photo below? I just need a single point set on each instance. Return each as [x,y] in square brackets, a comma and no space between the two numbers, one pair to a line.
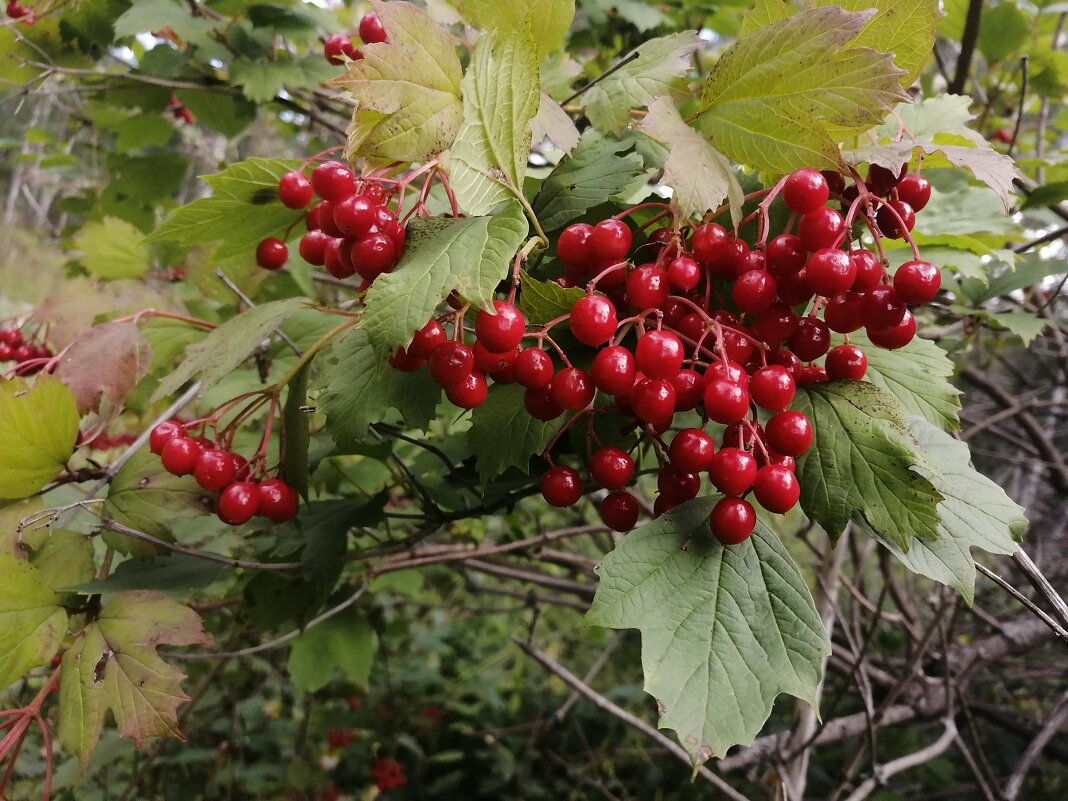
[578,92]
[1052,726]
[913,760]
[248,302]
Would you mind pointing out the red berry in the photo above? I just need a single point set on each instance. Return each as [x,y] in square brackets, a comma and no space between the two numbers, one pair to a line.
[811,339]
[653,400]
[561,487]
[611,240]
[689,386]
[271,253]
[692,450]
[163,433]
[846,361]
[835,181]
[533,369]
[619,511]
[295,190]
[278,500]
[659,354]
[337,46]
[239,502]
[776,324]
[613,370]
[732,521]
[728,370]
[179,455]
[897,336]
[830,271]
[772,388]
[612,468]
[788,433]
[372,30]
[333,182]
[732,471]
[540,405]
[880,180]
[811,374]
[427,339]
[572,388]
[882,308]
[373,255]
[355,215]
[805,190]
[500,332]
[776,488]
[313,247]
[869,272]
[820,229]
[469,392]
[843,312]
[710,244]
[794,290]
[451,362]
[683,274]
[914,190]
[647,287]
[593,320]
[895,226]
[573,247]
[214,469]
[406,361]
[917,281]
[338,264]
[677,485]
[785,254]
[726,401]
[754,291]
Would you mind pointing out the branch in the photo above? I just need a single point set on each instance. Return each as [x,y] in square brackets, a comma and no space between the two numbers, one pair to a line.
[1041,584]
[969,39]
[1023,599]
[924,755]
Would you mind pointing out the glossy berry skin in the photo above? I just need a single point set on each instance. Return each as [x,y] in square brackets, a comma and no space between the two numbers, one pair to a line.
[830,271]
[754,291]
[730,371]
[882,308]
[725,401]
[612,468]
[405,361]
[500,332]
[355,215]
[312,247]
[214,469]
[776,489]
[271,253]
[239,503]
[278,501]
[371,29]
[835,181]
[914,190]
[613,370]
[373,255]
[339,47]
[897,336]
[450,362]
[788,433]
[593,320]
[677,485]
[732,521]
[843,312]
[880,180]
[917,282]
[776,324]
[611,240]
[572,388]
[710,244]
[489,362]
[811,374]
[820,229]
[683,274]
[785,254]
[561,487]
[805,190]
[659,354]
[895,226]
[469,392]
[333,181]
[647,287]
[692,450]
[295,190]
[163,433]
[732,471]
[794,289]
[427,339]
[811,340]
[689,386]
[574,248]
[772,387]
[653,400]
[869,272]
[179,456]
[533,368]
[540,405]
[846,361]
[619,511]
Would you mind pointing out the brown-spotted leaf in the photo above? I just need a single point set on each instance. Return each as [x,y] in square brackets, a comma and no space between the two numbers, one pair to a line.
[104,364]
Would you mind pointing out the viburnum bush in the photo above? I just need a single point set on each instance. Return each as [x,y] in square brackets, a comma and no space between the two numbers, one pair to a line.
[679,297]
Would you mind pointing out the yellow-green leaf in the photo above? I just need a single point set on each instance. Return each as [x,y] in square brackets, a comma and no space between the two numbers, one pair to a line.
[38,429]
[549,20]
[32,623]
[112,248]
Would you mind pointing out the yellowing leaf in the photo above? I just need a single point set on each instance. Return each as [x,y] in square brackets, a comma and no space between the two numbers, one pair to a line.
[553,122]
[114,666]
[406,89]
[780,97]
[548,19]
[112,248]
[38,429]
[32,624]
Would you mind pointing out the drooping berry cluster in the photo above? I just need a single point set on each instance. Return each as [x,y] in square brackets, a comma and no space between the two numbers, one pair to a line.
[338,49]
[180,112]
[17,11]
[388,774]
[29,357]
[217,469]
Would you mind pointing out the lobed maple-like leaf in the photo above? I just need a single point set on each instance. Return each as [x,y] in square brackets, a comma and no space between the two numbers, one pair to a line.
[104,364]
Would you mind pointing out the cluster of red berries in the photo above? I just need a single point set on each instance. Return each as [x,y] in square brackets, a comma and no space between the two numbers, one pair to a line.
[17,11]
[28,357]
[339,48]
[351,230]
[219,470]
[180,112]
[388,774]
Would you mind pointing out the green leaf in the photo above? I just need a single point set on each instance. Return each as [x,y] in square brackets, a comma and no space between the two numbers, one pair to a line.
[918,376]
[229,114]
[406,89]
[1046,195]
[597,169]
[488,160]
[861,462]
[975,513]
[143,130]
[297,432]
[781,97]
[38,429]
[548,20]
[32,623]
[542,301]
[112,248]
[345,642]
[243,209]
[653,71]
[222,351]
[170,573]
[261,81]
[1026,326]
[146,16]
[65,558]
[503,434]
[1003,32]
[114,666]
[700,175]
[360,389]
[470,255]
[724,629]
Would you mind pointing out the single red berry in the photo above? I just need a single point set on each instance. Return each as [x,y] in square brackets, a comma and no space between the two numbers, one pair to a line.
[470,391]
[612,468]
[843,312]
[914,190]
[785,254]
[794,290]
[897,336]
[427,339]
[163,433]
[572,388]
[692,326]
[271,253]
[561,487]
[451,362]
[811,339]
[882,308]
[372,30]
[653,400]
[354,215]
[732,521]
[611,240]
[214,469]
[373,255]
[179,455]
[776,324]
[593,320]
[869,271]
[239,502]
[732,471]
[659,354]
[11,336]
[404,360]
[788,433]
[820,229]
[811,374]
[830,271]
[619,511]
[647,287]
[734,261]
[574,249]
[533,369]
[662,504]
[726,401]
[846,361]
[835,181]
[776,488]
[500,332]
[728,370]
[338,263]
[278,500]
[677,485]
[917,281]
[772,387]
[333,182]
[880,180]
[754,291]
[692,450]
[338,48]
[313,247]
[613,370]
[710,244]
[540,405]
[895,226]
[689,387]
[295,190]
[805,190]
[683,274]
[785,359]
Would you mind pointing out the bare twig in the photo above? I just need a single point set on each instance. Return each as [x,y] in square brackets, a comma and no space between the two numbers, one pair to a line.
[913,760]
